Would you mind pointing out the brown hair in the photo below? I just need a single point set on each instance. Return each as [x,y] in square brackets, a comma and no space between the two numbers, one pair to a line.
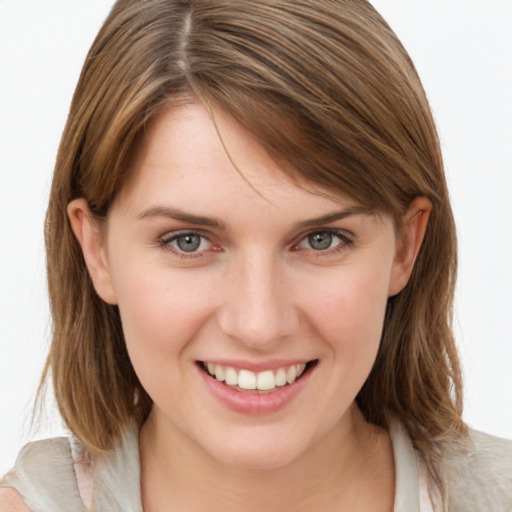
[328,90]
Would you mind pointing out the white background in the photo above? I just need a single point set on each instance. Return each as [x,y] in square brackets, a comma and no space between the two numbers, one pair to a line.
[464,56]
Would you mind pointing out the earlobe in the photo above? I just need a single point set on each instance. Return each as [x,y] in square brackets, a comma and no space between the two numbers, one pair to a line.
[88,235]
[411,237]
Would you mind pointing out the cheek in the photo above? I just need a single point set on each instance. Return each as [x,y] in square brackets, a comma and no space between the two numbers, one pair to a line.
[161,314]
[161,311]
[348,311]
[346,314]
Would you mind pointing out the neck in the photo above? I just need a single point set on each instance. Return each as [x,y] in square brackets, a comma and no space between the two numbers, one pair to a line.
[331,475]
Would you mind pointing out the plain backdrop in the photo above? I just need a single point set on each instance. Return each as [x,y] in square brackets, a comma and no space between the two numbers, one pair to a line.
[463,52]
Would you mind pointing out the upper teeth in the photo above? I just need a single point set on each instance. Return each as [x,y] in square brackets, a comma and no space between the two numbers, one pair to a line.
[263,381]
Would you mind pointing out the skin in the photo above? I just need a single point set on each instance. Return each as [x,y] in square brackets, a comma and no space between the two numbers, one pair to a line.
[10,501]
[256,290]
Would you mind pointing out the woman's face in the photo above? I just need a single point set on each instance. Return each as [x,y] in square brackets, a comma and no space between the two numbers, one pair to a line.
[248,278]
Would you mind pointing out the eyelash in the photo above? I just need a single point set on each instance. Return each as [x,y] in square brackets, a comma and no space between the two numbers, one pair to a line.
[165,243]
[345,242]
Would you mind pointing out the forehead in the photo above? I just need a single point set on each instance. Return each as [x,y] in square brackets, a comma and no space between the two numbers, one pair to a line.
[189,152]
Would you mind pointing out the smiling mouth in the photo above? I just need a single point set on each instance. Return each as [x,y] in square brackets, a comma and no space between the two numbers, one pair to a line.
[266,381]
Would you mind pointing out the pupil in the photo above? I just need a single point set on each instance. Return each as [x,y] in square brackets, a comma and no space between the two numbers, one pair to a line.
[320,241]
[188,243]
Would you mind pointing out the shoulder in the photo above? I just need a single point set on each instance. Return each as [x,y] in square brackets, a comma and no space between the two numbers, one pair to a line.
[478,477]
[54,446]
[43,456]
[10,501]
[43,473]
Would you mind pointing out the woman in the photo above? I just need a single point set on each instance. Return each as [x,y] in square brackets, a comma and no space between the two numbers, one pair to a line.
[251,261]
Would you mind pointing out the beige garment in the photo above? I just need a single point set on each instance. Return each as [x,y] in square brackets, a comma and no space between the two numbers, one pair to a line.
[46,472]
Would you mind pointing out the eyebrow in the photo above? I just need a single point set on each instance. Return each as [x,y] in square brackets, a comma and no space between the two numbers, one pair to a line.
[212,222]
[338,215]
[180,215]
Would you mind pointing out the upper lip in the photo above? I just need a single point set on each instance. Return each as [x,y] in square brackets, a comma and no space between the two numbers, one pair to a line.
[256,366]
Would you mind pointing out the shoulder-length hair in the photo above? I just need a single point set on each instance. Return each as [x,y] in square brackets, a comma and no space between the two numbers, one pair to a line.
[328,90]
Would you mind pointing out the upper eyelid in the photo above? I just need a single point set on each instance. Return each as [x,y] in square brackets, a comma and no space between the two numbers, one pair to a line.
[343,233]
[165,241]
[170,235]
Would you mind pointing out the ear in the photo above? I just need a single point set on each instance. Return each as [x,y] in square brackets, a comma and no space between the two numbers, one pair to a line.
[409,241]
[89,236]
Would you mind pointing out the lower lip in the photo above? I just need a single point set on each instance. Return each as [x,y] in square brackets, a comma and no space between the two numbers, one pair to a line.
[255,403]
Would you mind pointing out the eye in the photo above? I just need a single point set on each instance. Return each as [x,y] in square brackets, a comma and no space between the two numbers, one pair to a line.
[186,242]
[324,240]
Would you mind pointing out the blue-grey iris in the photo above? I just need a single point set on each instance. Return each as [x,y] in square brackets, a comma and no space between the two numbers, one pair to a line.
[188,243]
[320,241]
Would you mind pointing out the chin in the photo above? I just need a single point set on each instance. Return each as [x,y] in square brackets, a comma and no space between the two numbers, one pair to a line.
[256,454]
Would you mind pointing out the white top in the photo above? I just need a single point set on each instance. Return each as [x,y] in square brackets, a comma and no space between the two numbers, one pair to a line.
[52,476]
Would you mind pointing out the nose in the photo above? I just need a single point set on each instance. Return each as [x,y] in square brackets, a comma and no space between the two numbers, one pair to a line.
[257,310]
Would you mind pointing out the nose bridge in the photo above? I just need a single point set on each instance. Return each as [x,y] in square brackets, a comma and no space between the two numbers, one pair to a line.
[257,309]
